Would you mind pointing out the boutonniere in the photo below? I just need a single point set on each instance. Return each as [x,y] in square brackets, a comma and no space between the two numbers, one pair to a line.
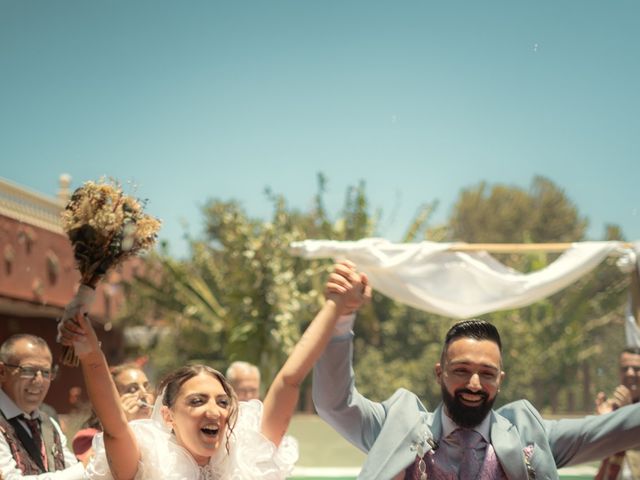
[425,442]
[528,453]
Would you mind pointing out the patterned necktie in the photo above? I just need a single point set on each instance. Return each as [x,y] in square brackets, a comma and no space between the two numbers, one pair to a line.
[34,427]
[469,440]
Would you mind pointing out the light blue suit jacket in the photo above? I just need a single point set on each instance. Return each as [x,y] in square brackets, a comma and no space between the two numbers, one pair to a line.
[394,431]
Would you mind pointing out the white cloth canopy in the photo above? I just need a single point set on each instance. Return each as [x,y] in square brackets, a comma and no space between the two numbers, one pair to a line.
[631,326]
[456,284]
[631,329]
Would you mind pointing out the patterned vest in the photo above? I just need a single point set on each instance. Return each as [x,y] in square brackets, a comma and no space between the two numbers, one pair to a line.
[25,461]
[435,468]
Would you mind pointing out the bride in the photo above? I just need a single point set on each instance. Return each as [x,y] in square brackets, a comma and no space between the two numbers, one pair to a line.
[198,429]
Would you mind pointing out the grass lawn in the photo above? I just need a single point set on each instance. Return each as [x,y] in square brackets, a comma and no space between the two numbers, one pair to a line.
[321,446]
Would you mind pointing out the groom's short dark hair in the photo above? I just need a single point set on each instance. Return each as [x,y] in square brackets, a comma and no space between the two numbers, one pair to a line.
[476,329]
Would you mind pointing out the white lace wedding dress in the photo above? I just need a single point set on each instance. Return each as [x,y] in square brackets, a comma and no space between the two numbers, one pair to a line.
[251,456]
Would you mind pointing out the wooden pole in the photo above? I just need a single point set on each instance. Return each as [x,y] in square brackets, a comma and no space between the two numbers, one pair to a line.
[515,247]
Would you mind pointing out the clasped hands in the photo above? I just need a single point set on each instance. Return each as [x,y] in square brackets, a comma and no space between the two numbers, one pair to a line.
[347,288]
[621,397]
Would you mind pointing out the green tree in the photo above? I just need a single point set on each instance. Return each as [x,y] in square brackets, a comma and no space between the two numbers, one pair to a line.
[506,214]
[241,294]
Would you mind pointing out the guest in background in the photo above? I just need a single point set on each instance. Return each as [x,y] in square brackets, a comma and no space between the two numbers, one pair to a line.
[31,442]
[624,465]
[244,377]
[136,398]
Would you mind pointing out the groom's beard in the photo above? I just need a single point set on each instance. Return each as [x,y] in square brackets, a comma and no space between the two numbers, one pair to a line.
[464,415]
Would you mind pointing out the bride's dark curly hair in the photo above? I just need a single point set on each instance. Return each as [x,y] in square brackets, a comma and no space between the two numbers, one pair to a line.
[171,384]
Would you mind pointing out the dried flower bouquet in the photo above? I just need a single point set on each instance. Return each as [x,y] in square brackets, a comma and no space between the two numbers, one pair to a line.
[105,227]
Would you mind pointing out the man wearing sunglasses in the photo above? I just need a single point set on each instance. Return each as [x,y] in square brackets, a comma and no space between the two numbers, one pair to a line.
[31,443]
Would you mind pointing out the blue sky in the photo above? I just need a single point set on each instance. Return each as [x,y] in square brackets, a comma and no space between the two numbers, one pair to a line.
[193,100]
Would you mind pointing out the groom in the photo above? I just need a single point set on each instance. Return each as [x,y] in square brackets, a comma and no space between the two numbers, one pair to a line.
[464,437]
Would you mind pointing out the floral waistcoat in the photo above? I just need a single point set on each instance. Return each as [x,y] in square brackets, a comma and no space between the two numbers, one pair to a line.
[52,442]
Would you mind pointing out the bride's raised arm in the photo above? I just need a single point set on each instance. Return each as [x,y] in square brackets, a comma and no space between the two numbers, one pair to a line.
[346,291]
[120,443]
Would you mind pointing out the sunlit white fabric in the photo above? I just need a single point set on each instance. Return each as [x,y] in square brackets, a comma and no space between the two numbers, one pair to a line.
[631,325]
[456,284]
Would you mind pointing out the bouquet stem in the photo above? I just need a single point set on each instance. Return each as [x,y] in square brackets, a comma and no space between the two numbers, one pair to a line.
[81,303]
[69,357]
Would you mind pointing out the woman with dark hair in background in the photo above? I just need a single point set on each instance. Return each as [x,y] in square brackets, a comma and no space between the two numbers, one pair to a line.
[136,398]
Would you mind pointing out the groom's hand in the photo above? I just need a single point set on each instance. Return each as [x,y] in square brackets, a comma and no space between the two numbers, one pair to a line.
[347,288]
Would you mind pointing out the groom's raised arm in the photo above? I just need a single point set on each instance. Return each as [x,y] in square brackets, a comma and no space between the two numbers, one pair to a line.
[336,399]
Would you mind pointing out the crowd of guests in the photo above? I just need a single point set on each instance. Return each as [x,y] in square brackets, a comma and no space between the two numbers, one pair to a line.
[201,424]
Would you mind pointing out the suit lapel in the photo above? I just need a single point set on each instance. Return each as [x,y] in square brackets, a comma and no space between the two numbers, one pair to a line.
[401,454]
[436,425]
[506,443]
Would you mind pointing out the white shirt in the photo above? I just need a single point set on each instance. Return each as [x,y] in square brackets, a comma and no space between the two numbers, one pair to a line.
[9,467]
